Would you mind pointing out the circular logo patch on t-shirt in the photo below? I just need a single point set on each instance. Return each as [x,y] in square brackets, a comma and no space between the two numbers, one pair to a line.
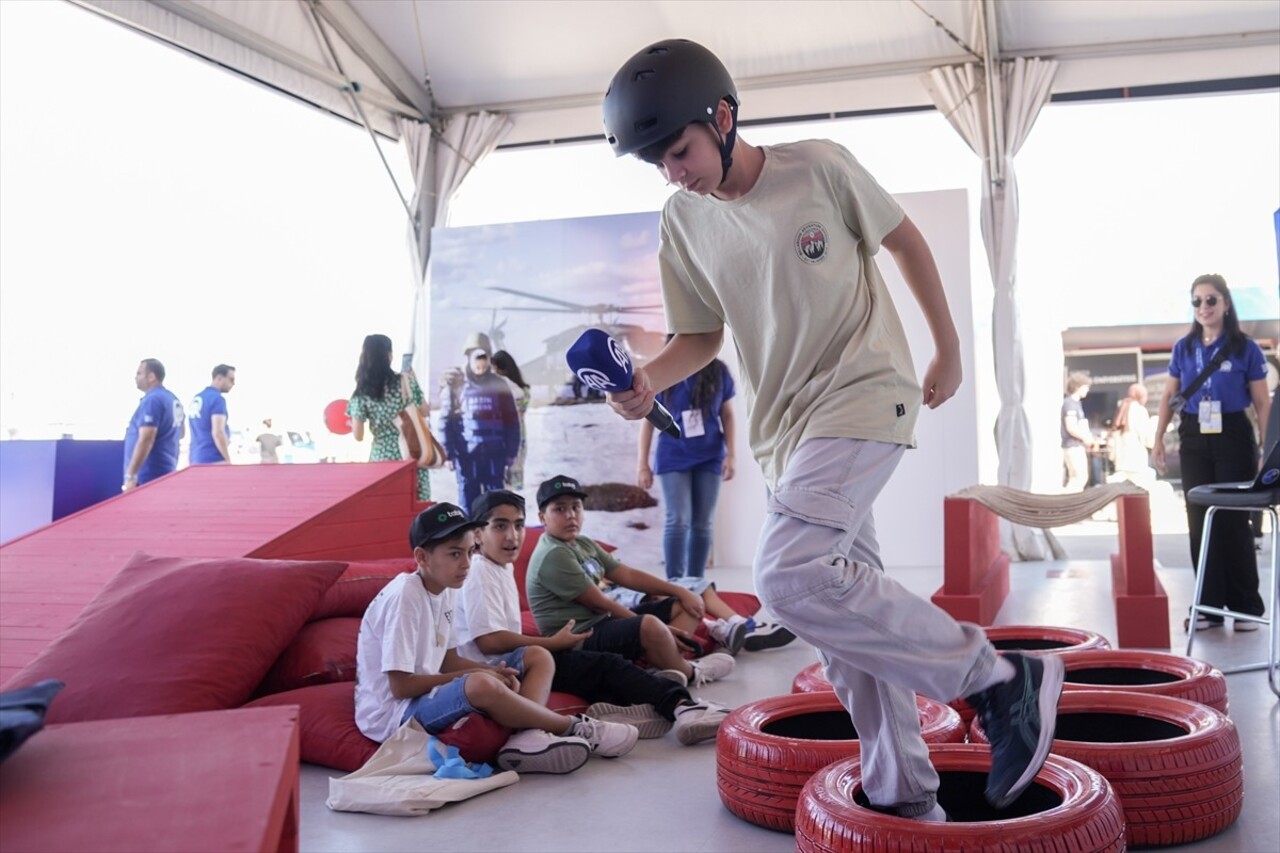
[811,242]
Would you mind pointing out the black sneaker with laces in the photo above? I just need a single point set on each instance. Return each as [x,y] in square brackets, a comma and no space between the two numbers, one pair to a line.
[1018,718]
[767,635]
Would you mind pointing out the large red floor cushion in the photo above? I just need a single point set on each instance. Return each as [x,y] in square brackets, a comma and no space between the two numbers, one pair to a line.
[322,652]
[169,635]
[358,585]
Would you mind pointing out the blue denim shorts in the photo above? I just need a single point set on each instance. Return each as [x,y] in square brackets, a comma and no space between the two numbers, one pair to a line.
[442,707]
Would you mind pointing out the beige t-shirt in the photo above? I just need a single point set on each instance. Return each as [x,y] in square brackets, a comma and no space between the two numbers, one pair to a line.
[789,269]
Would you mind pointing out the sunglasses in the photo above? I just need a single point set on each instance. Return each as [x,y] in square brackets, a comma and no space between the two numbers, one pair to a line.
[1208,300]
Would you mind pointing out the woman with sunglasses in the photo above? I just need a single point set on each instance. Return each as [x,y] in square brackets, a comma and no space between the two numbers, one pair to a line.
[1218,444]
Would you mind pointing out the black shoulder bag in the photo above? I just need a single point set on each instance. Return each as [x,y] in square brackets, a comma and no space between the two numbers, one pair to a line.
[1179,400]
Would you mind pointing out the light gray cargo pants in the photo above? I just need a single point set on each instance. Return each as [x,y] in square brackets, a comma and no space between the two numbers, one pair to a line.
[819,572]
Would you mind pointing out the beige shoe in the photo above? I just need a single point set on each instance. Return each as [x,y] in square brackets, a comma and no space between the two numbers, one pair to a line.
[645,718]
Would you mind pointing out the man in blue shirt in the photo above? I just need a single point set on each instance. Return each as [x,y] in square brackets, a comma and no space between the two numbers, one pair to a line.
[151,440]
[208,413]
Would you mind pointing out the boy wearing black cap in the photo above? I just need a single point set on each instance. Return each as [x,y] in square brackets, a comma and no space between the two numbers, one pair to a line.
[407,665]
[778,244]
[489,626]
[563,585]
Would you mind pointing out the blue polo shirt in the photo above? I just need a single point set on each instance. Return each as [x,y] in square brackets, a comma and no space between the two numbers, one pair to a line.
[204,406]
[687,453]
[158,408]
[1229,384]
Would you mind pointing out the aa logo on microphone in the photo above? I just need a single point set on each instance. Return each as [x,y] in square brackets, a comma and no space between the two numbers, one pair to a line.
[619,355]
[595,379]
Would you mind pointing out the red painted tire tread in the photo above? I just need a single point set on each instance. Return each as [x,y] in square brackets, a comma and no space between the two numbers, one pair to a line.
[770,766]
[1186,788]
[1090,817]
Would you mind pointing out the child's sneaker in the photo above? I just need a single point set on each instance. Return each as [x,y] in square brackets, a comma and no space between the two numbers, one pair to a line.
[730,633]
[1018,718]
[709,668]
[698,721]
[766,635]
[536,751]
[645,718]
[608,740]
[1243,625]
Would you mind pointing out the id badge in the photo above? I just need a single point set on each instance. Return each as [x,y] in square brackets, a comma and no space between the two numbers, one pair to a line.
[691,421]
[1210,417]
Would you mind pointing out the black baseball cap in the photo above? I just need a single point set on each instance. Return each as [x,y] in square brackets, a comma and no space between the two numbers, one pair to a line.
[438,522]
[489,501]
[557,486]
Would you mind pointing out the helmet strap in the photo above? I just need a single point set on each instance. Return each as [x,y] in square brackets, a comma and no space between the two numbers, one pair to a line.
[727,141]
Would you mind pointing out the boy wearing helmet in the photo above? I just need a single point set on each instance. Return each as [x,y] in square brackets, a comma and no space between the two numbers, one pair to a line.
[778,244]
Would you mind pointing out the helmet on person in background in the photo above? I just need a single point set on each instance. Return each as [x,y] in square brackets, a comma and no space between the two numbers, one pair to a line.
[662,89]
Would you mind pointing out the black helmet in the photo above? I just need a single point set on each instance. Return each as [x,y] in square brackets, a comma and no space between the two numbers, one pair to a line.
[661,89]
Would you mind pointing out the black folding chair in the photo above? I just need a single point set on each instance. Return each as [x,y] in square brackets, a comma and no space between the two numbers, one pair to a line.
[1260,495]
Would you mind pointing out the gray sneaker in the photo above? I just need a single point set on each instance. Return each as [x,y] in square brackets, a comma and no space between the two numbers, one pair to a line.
[645,718]
[536,751]
[709,668]
[608,740]
[698,721]
[1018,717]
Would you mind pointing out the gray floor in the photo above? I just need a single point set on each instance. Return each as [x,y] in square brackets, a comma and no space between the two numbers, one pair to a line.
[662,797]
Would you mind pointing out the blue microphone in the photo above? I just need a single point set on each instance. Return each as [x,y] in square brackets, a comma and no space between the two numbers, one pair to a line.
[601,363]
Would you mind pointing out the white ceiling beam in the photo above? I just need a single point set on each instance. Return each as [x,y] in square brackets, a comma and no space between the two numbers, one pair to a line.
[1149,46]
[247,38]
[365,42]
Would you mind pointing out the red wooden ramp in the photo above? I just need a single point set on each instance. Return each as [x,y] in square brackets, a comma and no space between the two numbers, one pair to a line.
[326,511]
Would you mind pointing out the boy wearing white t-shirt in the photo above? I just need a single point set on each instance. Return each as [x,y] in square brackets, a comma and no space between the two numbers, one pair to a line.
[778,243]
[407,664]
[489,626]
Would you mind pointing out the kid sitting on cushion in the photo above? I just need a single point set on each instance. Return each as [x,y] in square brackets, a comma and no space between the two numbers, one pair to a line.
[489,626]
[563,585]
[407,666]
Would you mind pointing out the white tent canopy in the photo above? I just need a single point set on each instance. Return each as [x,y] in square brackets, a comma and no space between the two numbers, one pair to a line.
[456,78]
[545,63]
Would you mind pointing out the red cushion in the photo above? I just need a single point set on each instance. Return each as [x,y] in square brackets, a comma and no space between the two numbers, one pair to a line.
[744,603]
[529,625]
[351,593]
[329,736]
[321,652]
[566,703]
[327,724]
[169,635]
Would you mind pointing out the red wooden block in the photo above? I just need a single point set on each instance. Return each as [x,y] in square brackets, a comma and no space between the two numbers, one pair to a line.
[219,780]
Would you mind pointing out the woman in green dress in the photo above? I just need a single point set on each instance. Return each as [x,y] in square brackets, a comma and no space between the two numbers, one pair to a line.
[379,399]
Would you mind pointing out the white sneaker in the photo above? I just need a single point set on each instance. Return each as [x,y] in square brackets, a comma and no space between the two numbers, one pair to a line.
[608,740]
[709,668]
[1243,626]
[536,751]
[698,721]
[645,718]
[767,635]
[730,633]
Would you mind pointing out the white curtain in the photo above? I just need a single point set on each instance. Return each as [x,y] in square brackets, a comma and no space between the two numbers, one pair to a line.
[1022,89]
[439,164]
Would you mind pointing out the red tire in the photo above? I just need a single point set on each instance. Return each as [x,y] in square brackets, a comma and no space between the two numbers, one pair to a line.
[1176,765]
[767,750]
[1069,808]
[1146,672]
[1038,639]
[811,679]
